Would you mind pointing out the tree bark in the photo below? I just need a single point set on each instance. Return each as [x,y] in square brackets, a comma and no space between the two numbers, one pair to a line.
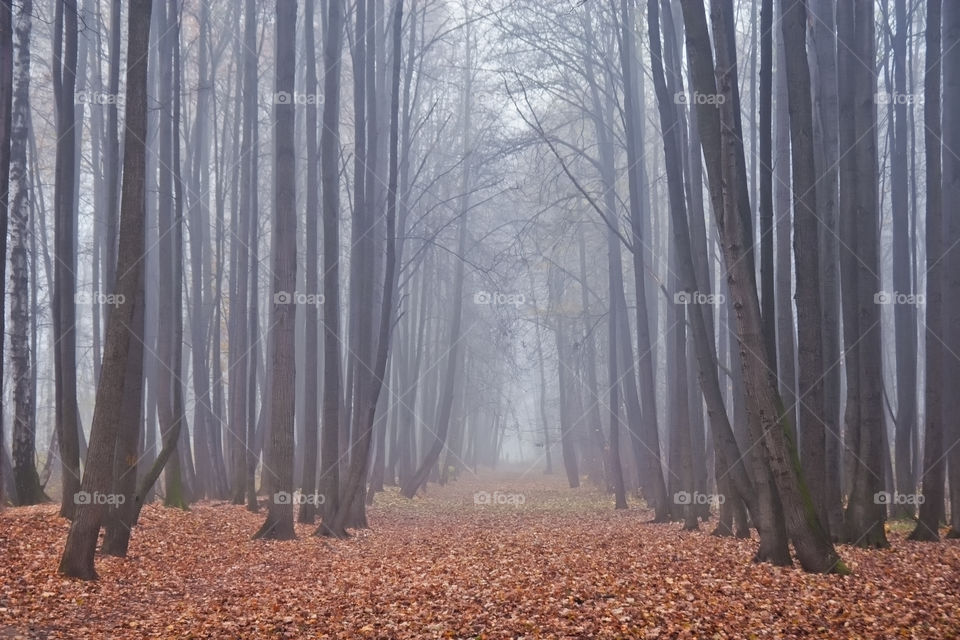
[934,462]
[278,458]
[78,555]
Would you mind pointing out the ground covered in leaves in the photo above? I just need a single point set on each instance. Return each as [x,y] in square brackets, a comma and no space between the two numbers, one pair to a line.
[532,560]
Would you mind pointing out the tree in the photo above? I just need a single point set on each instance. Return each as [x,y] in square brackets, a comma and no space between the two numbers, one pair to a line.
[278,465]
[905,315]
[951,271]
[6,124]
[812,545]
[445,406]
[311,416]
[26,480]
[330,185]
[806,245]
[78,553]
[64,314]
[934,462]
[648,451]
[865,514]
[729,457]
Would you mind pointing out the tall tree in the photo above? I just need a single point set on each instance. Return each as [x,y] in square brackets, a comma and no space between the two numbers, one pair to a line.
[806,248]
[64,308]
[934,462]
[26,480]
[648,451]
[951,192]
[6,125]
[814,549]
[311,416]
[865,514]
[450,379]
[826,124]
[330,188]
[278,462]
[905,315]
[78,553]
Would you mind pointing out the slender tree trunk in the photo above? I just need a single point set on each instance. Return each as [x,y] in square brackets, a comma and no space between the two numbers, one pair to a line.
[64,308]
[813,546]
[78,554]
[330,178]
[649,441]
[311,416]
[6,130]
[445,406]
[934,462]
[951,193]
[905,315]
[826,121]
[865,514]
[26,479]
[278,458]
[806,245]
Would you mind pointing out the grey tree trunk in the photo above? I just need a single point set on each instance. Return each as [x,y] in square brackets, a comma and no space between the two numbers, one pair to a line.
[278,458]
[6,127]
[311,407]
[951,191]
[934,462]
[813,546]
[826,122]
[23,450]
[806,245]
[865,514]
[64,307]
[330,179]
[905,315]
[78,554]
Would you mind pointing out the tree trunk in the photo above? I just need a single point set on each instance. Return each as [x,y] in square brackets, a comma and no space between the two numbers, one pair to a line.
[813,547]
[905,315]
[6,130]
[64,307]
[330,178]
[26,479]
[278,459]
[311,416]
[806,245]
[78,554]
[934,462]
[865,514]
[951,193]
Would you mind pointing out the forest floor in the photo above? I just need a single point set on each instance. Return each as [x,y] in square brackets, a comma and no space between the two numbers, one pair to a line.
[563,564]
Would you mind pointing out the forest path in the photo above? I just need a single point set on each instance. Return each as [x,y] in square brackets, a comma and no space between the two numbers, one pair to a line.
[462,563]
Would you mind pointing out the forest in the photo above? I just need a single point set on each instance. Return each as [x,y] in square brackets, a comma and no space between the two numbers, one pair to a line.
[480,319]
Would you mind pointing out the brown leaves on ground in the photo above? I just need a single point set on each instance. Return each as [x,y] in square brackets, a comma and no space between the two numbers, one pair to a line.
[531,560]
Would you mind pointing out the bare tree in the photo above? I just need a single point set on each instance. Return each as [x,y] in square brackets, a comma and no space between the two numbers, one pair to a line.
[278,461]
[78,554]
